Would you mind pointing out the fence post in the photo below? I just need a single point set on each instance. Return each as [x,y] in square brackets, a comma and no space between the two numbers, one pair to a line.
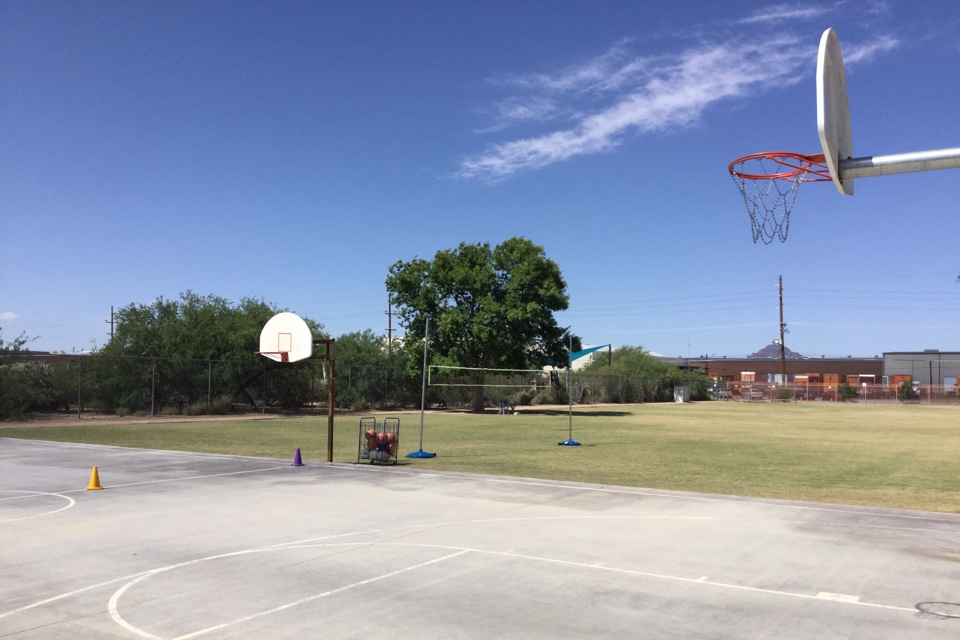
[313,387]
[209,382]
[79,387]
[153,387]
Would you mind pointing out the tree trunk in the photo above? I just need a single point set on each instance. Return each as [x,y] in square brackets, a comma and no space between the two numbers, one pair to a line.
[478,405]
[478,390]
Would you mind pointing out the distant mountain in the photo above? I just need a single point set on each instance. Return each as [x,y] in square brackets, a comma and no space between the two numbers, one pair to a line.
[773,351]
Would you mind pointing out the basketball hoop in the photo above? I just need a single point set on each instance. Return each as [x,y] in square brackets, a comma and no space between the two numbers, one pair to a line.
[769,182]
[279,356]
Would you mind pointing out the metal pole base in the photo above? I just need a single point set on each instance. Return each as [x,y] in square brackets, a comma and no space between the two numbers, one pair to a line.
[569,443]
[421,454]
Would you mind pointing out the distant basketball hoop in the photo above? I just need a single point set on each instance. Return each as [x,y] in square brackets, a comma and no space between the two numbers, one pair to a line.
[286,338]
[278,356]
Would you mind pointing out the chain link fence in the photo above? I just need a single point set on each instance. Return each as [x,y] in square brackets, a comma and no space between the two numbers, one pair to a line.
[35,383]
[154,386]
[930,394]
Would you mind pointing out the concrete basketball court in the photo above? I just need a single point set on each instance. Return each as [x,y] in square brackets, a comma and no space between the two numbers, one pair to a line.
[181,545]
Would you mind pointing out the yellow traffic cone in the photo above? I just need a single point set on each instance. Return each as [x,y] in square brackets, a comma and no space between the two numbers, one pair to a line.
[94,481]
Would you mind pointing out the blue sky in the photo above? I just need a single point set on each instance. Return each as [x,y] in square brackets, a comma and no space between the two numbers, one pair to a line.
[293,151]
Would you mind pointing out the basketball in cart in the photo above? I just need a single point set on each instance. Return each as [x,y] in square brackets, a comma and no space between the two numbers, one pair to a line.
[378,442]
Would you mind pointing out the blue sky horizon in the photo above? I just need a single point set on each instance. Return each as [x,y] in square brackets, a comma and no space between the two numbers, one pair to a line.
[293,151]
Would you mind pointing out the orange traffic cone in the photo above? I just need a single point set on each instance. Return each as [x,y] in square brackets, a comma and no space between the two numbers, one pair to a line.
[94,481]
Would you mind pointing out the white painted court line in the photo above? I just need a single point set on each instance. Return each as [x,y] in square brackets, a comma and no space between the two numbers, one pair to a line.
[340,466]
[457,551]
[181,479]
[139,450]
[132,579]
[320,595]
[69,594]
[115,614]
[33,494]
[701,581]
[837,597]
[947,518]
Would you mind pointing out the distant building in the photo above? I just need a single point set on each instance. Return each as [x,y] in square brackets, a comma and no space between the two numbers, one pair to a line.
[821,370]
[930,366]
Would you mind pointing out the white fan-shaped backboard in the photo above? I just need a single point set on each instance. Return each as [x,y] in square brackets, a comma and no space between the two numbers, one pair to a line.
[833,109]
[286,333]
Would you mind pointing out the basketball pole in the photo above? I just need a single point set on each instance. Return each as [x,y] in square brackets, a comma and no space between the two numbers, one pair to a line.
[420,453]
[329,356]
[330,394]
[916,161]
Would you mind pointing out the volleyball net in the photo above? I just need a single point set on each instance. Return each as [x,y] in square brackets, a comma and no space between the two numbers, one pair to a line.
[451,376]
[454,385]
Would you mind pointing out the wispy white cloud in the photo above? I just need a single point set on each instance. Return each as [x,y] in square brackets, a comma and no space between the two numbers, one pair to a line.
[866,52]
[7,315]
[613,95]
[608,71]
[592,107]
[513,111]
[784,12]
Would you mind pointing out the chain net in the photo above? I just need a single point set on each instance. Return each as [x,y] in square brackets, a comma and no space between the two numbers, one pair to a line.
[769,202]
[769,184]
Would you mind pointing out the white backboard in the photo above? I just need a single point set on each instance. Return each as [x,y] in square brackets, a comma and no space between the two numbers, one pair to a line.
[286,332]
[833,109]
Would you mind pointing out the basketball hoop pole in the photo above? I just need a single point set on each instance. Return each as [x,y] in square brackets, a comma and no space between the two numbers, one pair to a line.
[871,166]
[329,356]
[295,342]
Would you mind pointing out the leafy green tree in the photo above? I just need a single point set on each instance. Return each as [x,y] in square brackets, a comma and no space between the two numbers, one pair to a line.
[16,346]
[167,348]
[25,385]
[906,391]
[362,368]
[847,392]
[658,377]
[488,307]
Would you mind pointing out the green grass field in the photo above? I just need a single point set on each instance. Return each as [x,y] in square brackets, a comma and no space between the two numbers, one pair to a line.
[880,455]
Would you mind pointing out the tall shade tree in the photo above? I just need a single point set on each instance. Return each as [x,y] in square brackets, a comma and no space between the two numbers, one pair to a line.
[488,308]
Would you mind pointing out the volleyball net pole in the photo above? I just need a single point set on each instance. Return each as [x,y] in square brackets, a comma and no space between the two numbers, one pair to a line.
[569,442]
[420,453]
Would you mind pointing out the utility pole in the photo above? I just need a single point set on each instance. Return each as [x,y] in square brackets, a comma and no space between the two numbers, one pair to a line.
[783,330]
[389,313]
[110,322]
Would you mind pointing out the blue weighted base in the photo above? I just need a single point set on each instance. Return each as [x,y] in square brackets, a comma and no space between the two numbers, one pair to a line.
[421,454]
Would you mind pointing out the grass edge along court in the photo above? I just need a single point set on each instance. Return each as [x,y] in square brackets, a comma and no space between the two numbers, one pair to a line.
[893,456]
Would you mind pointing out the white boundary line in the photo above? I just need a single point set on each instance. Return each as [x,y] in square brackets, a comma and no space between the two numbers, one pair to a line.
[429,525]
[112,607]
[34,494]
[341,466]
[948,518]
[321,595]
